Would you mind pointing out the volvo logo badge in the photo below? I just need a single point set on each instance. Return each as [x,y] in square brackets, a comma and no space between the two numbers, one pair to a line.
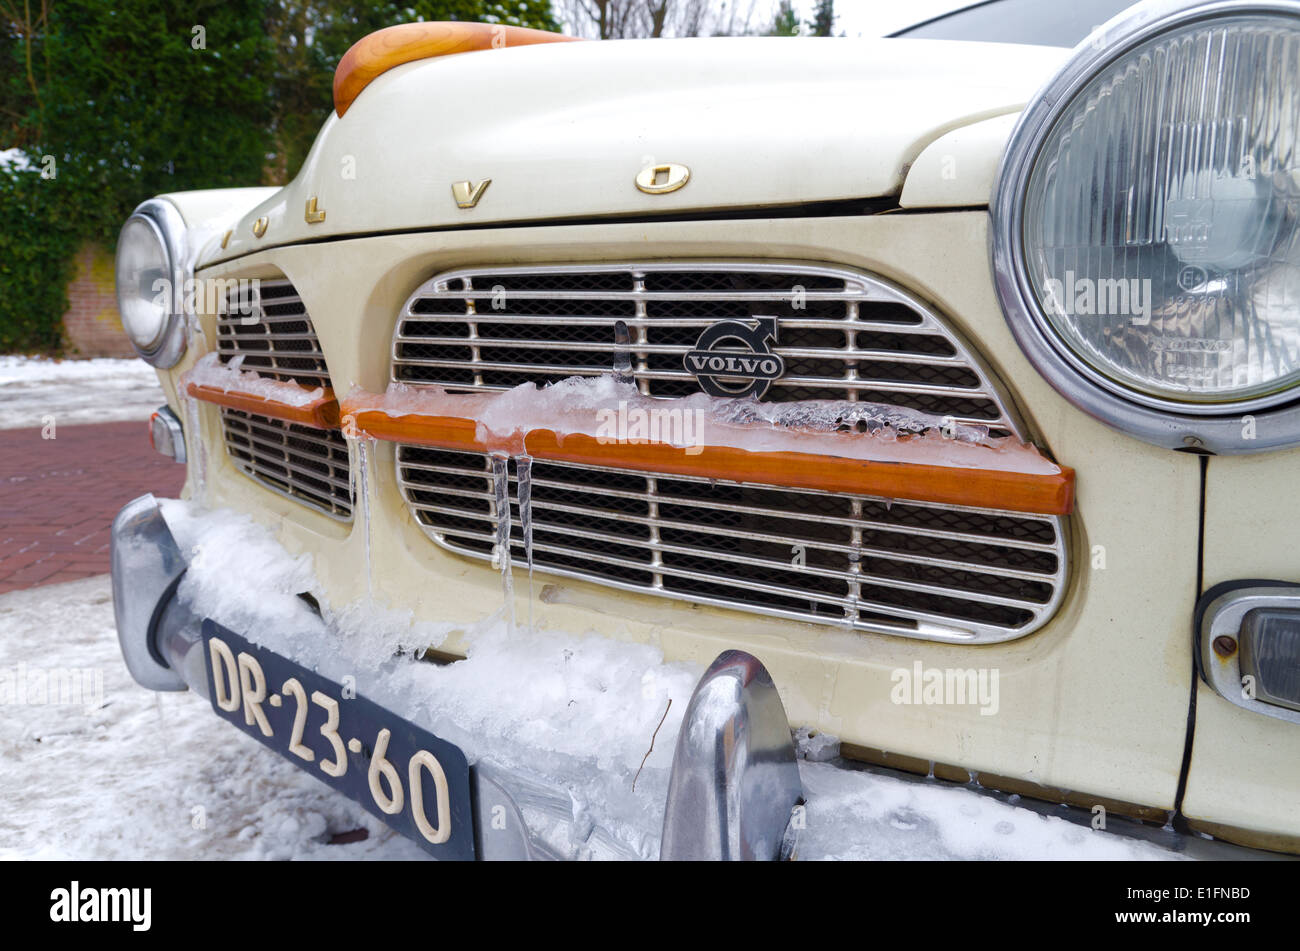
[733,358]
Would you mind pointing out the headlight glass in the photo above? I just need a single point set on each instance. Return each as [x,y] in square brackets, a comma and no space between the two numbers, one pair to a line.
[144,289]
[1161,224]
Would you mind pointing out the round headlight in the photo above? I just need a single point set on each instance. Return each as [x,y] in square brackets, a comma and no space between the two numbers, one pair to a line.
[1147,223]
[144,291]
[149,282]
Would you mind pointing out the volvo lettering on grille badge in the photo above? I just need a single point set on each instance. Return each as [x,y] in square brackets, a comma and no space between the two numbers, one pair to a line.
[734,358]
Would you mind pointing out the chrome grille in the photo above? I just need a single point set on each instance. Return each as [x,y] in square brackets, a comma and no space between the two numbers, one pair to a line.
[844,335]
[307,464]
[266,323]
[919,570]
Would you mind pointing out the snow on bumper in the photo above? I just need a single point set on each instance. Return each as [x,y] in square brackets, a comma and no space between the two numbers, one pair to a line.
[733,783]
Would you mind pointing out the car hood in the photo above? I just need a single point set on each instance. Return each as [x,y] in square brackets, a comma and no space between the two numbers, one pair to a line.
[562,131]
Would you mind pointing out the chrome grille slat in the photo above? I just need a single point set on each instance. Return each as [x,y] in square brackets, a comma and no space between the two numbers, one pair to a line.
[882,625]
[271,434]
[300,337]
[269,287]
[863,383]
[479,294]
[271,352]
[310,378]
[305,464]
[953,584]
[679,322]
[845,336]
[287,462]
[883,554]
[888,356]
[327,443]
[864,521]
[831,520]
[845,575]
[254,320]
[285,468]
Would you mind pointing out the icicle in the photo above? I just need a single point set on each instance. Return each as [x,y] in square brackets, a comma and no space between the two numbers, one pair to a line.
[524,473]
[501,550]
[359,449]
[198,450]
[622,353]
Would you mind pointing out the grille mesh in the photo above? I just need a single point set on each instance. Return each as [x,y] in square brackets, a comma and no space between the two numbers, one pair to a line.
[902,568]
[267,324]
[843,335]
[307,464]
[269,327]
[918,570]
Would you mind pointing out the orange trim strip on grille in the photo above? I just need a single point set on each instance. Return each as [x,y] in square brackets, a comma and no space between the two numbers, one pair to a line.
[1007,489]
[322,412]
[439,432]
[373,55]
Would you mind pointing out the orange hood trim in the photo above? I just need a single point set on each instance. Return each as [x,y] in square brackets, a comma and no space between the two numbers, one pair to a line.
[373,55]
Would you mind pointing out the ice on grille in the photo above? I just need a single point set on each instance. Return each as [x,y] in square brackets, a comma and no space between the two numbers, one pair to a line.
[583,405]
[209,371]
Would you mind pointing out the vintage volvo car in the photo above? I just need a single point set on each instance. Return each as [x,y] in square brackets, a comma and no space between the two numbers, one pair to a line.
[845,369]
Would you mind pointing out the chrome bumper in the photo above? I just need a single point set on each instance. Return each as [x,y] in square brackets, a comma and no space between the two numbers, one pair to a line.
[147,567]
[734,781]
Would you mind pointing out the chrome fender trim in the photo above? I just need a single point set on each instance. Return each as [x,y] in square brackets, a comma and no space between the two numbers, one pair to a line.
[147,565]
[734,778]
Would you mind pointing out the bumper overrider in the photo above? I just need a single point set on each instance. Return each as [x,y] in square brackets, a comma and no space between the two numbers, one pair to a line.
[732,791]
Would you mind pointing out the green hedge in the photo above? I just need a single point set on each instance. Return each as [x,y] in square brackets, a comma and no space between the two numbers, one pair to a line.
[137,98]
[37,249]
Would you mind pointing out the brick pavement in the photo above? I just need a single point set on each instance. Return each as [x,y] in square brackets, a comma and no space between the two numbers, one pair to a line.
[58,497]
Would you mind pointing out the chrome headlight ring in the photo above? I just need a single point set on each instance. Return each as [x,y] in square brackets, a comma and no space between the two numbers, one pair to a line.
[1248,425]
[166,223]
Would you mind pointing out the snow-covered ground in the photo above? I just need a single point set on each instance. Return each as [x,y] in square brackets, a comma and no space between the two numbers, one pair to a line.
[103,390]
[132,774]
[121,772]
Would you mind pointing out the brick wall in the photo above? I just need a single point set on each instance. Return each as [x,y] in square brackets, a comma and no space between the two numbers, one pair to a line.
[92,326]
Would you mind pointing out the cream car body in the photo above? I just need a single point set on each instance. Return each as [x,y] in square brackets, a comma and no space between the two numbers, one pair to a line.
[872,156]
